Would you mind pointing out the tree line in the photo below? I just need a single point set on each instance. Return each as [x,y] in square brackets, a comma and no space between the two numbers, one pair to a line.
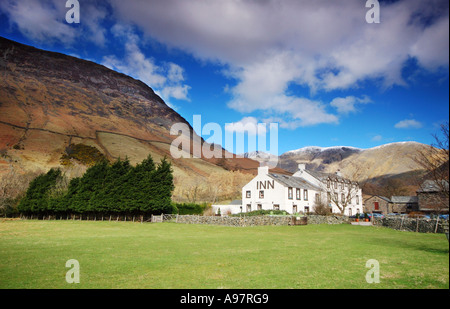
[105,188]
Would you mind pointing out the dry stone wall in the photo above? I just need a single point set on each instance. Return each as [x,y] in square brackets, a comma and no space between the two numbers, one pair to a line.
[235,221]
[412,224]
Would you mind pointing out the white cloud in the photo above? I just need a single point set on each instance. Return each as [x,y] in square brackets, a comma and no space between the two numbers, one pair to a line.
[348,104]
[267,46]
[377,138]
[325,34]
[248,125]
[408,124]
[165,79]
[42,21]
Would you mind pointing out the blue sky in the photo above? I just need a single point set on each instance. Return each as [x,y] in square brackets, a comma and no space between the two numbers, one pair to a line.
[316,68]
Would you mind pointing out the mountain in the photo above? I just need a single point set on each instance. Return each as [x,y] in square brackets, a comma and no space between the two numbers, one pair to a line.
[384,161]
[49,101]
[316,158]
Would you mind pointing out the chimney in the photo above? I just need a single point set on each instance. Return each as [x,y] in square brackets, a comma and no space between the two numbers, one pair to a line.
[263,170]
[302,167]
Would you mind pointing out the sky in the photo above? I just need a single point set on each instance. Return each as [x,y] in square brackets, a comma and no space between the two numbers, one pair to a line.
[328,73]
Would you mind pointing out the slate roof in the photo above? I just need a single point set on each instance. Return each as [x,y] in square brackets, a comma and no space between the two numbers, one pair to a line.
[236,202]
[404,199]
[382,197]
[293,182]
[323,176]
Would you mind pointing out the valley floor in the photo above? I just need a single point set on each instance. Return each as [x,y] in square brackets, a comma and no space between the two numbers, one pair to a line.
[179,256]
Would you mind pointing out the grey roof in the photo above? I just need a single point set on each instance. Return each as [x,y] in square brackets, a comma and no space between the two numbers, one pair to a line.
[323,176]
[404,199]
[293,182]
[382,197]
[236,202]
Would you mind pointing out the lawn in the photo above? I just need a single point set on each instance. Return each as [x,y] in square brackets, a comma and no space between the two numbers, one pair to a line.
[33,254]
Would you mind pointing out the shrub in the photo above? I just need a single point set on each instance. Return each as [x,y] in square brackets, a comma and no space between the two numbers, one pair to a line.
[190,208]
[83,154]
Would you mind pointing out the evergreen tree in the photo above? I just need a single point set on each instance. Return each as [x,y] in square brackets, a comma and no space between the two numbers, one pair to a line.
[161,187]
[36,200]
[139,197]
[104,188]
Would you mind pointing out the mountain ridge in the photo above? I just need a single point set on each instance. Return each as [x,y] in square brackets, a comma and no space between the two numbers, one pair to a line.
[387,160]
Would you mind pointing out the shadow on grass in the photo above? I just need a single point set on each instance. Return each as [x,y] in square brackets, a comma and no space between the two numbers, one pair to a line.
[420,245]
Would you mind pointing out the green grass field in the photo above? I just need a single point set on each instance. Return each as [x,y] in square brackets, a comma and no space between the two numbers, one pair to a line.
[33,254]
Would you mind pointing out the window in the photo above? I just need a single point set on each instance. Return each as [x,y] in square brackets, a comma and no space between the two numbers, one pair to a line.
[261,194]
[317,198]
[357,200]
[259,206]
[248,194]
[328,197]
[335,184]
[249,207]
[294,209]
[276,207]
[297,193]
[306,209]
[342,186]
[290,193]
[305,194]
[328,184]
[343,198]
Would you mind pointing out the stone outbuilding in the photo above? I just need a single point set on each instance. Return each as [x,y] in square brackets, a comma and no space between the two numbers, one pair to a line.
[433,197]
[378,204]
[404,204]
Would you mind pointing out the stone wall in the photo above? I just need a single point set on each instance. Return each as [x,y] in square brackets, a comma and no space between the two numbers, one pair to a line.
[257,220]
[235,221]
[316,219]
[412,224]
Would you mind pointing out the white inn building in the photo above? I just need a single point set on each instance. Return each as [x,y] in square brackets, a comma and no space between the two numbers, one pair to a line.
[302,192]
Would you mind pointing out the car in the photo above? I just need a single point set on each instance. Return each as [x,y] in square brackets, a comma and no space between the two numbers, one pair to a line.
[378,216]
[445,217]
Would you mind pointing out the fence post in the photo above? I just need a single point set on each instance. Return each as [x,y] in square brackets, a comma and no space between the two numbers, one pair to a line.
[437,223]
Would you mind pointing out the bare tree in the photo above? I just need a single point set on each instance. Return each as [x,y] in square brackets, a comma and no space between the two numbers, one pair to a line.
[321,207]
[434,159]
[13,186]
[343,191]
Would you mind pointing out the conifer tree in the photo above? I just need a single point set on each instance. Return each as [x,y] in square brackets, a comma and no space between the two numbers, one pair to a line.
[37,196]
